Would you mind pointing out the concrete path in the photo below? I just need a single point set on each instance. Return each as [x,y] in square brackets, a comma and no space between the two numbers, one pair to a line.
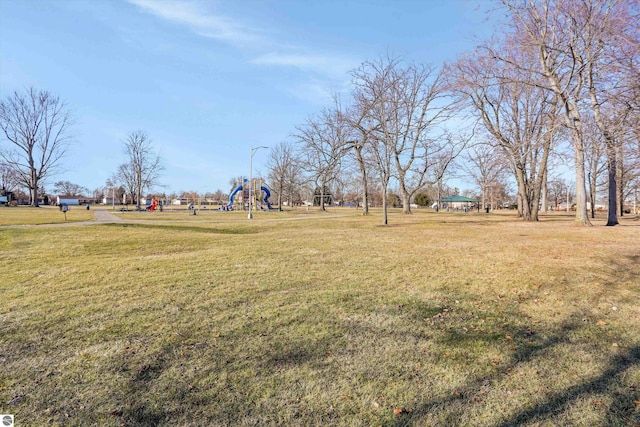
[104,216]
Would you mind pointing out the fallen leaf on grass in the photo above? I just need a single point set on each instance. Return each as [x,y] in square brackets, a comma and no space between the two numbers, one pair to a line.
[601,322]
[636,402]
[400,411]
[598,404]
[345,397]
[456,393]
[495,362]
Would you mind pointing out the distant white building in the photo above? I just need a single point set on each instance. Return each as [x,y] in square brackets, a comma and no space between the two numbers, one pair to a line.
[69,201]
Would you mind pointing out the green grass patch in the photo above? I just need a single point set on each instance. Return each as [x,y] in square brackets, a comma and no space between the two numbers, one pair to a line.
[308,319]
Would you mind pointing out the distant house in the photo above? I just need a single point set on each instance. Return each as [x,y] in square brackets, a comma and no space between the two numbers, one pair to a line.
[69,201]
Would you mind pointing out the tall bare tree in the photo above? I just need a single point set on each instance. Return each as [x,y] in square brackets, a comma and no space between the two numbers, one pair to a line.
[283,169]
[323,142]
[549,28]
[594,155]
[36,126]
[414,105]
[516,113]
[359,119]
[144,166]
[373,82]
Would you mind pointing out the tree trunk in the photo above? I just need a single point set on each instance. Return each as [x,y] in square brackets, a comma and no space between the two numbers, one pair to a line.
[404,194]
[620,177]
[385,219]
[540,184]
[543,191]
[363,176]
[406,206]
[34,196]
[524,204]
[573,122]
[582,218]
[484,192]
[612,163]
[592,193]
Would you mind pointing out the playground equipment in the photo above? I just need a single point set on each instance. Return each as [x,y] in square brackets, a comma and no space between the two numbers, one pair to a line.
[242,203]
[154,204]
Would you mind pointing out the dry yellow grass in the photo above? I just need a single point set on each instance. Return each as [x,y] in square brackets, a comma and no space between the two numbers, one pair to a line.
[437,319]
[26,215]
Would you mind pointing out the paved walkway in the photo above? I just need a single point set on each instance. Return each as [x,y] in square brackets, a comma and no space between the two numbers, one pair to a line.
[104,216]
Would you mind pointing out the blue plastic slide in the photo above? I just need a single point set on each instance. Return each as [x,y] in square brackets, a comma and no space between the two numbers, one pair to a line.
[266,198]
[233,194]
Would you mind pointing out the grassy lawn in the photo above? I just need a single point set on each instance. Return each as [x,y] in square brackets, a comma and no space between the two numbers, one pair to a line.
[26,215]
[438,319]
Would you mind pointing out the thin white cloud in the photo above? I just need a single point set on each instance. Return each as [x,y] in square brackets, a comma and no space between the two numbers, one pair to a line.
[312,91]
[202,21]
[323,70]
[329,64]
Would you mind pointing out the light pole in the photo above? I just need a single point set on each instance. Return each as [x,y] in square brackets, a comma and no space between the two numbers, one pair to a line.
[253,150]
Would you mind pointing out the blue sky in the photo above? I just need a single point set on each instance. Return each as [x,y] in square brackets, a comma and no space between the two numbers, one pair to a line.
[209,79]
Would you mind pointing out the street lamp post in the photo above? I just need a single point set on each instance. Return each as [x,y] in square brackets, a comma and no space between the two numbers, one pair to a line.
[253,150]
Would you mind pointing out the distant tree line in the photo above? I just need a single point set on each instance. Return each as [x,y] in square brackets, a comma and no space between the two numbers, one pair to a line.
[558,86]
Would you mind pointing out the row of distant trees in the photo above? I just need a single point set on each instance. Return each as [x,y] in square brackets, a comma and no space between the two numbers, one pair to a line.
[35,129]
[559,86]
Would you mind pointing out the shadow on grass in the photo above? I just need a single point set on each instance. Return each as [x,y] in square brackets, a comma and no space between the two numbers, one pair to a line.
[189,228]
[606,382]
[625,267]
[621,408]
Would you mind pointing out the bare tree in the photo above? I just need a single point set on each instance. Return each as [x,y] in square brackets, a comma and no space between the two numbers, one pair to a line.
[516,113]
[282,165]
[324,144]
[549,28]
[68,188]
[444,157]
[36,126]
[408,105]
[9,179]
[487,168]
[360,118]
[143,168]
[373,82]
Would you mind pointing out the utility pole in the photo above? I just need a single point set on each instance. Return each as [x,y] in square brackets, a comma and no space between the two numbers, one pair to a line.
[253,150]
